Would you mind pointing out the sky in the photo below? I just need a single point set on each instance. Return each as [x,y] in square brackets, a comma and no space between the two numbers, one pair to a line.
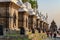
[52,7]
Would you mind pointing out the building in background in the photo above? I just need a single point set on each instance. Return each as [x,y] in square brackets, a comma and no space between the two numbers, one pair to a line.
[53,27]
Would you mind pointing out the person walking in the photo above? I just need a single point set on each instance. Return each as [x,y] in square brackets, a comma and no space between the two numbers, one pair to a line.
[47,34]
[51,35]
[54,35]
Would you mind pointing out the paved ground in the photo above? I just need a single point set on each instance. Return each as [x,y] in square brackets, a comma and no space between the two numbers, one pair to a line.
[52,38]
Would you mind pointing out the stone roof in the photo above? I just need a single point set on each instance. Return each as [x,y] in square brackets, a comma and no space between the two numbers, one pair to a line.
[28,5]
[15,1]
[30,10]
[5,0]
[37,16]
[21,3]
[22,9]
[18,2]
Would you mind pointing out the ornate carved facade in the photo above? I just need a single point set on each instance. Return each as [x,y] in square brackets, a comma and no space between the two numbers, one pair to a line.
[12,18]
[9,15]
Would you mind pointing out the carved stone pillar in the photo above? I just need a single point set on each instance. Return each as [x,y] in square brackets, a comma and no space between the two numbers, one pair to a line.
[23,19]
[32,22]
[41,25]
[38,25]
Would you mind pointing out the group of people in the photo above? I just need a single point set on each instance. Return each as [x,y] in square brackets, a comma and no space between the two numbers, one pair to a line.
[50,34]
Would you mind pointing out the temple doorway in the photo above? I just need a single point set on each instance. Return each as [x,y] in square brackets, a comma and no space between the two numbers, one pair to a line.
[1,30]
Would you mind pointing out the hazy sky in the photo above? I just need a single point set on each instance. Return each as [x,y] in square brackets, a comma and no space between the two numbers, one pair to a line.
[52,7]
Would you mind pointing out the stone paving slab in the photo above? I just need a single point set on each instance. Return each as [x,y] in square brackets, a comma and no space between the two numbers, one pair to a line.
[52,39]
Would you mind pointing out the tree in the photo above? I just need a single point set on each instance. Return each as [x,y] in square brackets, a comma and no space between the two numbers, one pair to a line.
[53,26]
[24,1]
[33,3]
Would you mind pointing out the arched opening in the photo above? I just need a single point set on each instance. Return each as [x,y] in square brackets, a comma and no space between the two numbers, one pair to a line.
[14,19]
[33,31]
[1,30]
[22,30]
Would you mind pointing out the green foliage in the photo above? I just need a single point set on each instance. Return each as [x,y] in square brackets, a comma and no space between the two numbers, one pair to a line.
[33,4]
[24,1]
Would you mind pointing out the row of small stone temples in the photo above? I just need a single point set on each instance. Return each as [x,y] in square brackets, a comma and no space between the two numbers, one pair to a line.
[19,17]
